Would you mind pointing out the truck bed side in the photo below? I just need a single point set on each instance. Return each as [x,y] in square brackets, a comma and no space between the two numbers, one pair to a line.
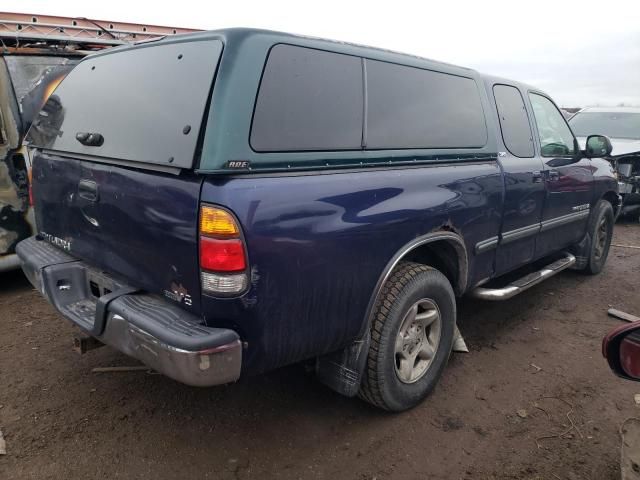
[318,244]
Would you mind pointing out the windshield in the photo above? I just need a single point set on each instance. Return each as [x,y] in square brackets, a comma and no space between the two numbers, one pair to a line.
[612,124]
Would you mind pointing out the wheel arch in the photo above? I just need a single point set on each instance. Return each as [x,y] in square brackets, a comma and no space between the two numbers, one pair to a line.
[614,199]
[442,250]
[342,370]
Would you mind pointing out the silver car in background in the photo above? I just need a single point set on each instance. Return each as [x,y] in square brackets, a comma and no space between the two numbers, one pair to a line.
[622,126]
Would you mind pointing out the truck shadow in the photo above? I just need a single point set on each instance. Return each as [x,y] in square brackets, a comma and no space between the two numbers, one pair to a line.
[13,281]
[290,391]
[288,410]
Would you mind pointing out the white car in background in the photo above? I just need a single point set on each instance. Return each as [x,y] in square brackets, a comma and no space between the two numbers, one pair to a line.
[622,126]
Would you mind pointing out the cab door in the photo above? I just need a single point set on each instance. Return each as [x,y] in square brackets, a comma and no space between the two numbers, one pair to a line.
[523,177]
[568,179]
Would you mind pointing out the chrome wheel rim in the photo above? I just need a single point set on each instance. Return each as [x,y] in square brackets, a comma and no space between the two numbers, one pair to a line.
[417,340]
[602,233]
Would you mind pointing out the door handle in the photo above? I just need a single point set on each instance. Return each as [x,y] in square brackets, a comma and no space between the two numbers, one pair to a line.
[537,176]
[90,139]
[554,175]
[88,190]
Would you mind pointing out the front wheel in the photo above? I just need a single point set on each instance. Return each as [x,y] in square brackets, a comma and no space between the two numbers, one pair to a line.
[601,233]
[411,337]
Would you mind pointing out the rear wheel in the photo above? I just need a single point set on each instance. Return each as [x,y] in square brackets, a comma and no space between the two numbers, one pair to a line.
[601,232]
[411,337]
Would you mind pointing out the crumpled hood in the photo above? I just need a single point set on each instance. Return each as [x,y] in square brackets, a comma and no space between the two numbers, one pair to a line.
[621,146]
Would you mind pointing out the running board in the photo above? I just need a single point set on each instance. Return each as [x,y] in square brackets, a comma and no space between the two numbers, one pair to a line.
[526,282]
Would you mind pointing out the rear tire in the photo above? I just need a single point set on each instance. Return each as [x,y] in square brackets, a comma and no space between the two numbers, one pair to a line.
[411,337]
[600,231]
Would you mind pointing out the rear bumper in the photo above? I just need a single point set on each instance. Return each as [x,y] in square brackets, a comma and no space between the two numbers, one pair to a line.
[161,335]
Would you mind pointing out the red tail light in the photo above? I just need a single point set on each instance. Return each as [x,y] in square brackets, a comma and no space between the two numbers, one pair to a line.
[222,255]
[223,261]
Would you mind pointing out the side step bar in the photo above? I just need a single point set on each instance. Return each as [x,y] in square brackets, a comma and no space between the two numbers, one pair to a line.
[526,282]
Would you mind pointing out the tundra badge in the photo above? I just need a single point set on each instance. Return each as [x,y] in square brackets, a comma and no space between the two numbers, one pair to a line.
[57,241]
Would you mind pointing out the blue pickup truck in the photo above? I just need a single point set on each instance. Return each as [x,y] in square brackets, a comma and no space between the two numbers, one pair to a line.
[221,204]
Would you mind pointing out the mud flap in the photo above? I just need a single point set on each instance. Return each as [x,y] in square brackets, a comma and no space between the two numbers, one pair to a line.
[342,371]
[581,252]
[459,345]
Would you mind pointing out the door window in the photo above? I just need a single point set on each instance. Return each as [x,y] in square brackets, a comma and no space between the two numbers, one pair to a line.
[514,122]
[556,138]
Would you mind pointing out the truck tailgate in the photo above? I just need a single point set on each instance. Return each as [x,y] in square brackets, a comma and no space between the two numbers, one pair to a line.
[116,145]
[140,225]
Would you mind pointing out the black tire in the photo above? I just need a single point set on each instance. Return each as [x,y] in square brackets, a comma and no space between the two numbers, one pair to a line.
[408,285]
[600,231]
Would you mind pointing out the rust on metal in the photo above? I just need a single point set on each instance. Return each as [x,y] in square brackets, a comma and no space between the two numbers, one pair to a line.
[21,26]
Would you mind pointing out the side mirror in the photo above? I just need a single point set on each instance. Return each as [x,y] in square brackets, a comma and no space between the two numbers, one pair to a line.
[598,146]
[621,348]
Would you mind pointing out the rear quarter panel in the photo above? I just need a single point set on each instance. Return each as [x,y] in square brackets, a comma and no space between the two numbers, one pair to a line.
[318,243]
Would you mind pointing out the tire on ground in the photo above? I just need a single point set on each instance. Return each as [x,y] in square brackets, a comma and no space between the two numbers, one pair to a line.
[597,256]
[408,284]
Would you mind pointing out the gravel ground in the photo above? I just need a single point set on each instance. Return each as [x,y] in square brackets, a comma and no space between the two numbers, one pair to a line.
[534,372]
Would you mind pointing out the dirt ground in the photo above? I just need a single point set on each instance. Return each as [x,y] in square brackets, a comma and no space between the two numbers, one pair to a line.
[535,371]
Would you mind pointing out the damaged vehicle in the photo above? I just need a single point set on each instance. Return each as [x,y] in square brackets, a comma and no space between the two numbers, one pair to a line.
[239,200]
[622,126]
[36,52]
[26,79]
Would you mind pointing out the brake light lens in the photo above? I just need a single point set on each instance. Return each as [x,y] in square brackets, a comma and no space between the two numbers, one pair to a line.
[222,255]
[223,261]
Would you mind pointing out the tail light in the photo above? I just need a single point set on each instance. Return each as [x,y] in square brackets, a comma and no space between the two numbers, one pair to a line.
[223,257]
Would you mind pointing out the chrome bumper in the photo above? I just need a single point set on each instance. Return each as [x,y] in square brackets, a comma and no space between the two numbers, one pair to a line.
[201,368]
[163,336]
